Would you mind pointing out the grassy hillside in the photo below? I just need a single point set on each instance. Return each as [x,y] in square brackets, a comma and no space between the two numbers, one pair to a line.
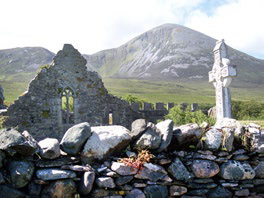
[155,91]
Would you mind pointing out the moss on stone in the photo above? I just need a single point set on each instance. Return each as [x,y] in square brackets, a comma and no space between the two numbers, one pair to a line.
[45,114]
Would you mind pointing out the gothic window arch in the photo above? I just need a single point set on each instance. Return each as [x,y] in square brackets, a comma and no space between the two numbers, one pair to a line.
[67,106]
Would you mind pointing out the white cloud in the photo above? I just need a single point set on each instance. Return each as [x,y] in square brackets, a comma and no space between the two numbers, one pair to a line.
[96,25]
[239,22]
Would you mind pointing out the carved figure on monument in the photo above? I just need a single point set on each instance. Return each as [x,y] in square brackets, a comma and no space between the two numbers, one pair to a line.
[221,76]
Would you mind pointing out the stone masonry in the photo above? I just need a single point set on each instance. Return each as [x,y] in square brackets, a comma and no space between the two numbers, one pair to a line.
[2,98]
[63,94]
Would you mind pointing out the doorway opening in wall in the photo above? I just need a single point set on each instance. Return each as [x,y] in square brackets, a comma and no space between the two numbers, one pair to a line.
[67,106]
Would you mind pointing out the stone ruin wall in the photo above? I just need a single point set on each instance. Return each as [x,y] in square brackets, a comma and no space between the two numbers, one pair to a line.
[39,110]
[2,106]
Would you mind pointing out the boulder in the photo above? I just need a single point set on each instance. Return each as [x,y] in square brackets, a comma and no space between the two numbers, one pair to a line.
[235,170]
[123,169]
[54,174]
[186,134]
[259,170]
[152,172]
[149,140]
[166,131]
[75,137]
[49,148]
[60,188]
[104,141]
[13,142]
[20,172]
[213,139]
[204,168]
[86,183]
[138,127]
[105,182]
[156,191]
[179,171]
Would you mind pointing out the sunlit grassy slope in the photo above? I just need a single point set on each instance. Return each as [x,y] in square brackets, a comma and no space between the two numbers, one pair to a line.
[155,91]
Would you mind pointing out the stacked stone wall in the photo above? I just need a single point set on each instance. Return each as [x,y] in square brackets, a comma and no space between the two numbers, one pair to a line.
[97,167]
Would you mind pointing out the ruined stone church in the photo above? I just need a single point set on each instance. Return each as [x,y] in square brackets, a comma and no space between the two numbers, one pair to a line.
[64,93]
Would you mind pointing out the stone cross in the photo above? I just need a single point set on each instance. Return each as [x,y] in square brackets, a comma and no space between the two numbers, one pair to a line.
[221,76]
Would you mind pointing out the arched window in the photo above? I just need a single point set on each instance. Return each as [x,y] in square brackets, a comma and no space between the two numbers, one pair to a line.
[67,106]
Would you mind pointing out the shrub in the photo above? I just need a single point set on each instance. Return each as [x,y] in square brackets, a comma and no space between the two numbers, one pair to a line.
[180,117]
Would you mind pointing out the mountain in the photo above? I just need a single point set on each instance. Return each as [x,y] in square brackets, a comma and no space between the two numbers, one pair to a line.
[21,64]
[171,52]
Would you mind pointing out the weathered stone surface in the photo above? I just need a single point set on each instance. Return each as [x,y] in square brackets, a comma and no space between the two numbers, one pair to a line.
[49,148]
[259,170]
[152,172]
[139,185]
[86,183]
[78,168]
[156,191]
[149,140]
[203,180]
[242,193]
[164,161]
[200,186]
[135,193]
[186,133]
[12,141]
[166,131]
[75,137]
[105,182]
[7,192]
[204,168]
[123,180]
[179,171]
[104,141]
[138,127]
[203,156]
[236,170]
[199,192]
[213,139]
[241,157]
[21,173]
[54,174]
[228,138]
[2,98]
[31,141]
[61,188]
[177,190]
[123,169]
[219,192]
[57,162]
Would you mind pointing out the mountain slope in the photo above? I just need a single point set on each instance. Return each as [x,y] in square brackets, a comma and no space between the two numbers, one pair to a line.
[171,52]
[21,64]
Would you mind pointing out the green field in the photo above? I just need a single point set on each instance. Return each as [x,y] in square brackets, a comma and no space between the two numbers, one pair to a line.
[154,91]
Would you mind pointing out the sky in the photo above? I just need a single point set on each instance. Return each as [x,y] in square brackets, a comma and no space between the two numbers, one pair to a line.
[95,25]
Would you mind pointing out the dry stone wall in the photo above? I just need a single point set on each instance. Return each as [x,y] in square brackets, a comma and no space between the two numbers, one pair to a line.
[40,110]
[94,162]
[2,98]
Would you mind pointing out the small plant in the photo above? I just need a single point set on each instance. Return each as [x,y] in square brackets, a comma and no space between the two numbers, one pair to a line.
[138,162]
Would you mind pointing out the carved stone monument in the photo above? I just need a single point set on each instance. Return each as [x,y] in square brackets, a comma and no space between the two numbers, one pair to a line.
[221,76]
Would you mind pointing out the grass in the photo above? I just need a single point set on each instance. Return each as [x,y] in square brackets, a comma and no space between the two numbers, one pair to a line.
[154,91]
